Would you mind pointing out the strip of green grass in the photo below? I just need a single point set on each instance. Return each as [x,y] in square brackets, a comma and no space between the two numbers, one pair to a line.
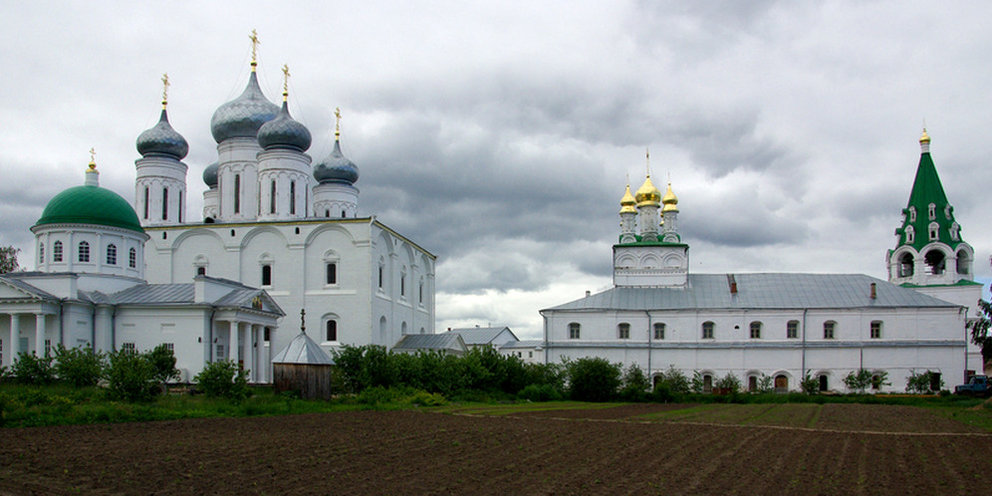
[511,408]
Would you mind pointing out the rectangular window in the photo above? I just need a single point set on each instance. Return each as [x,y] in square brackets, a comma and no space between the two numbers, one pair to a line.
[132,258]
[332,330]
[380,277]
[573,330]
[129,347]
[828,329]
[111,254]
[84,251]
[792,329]
[165,203]
[292,198]
[530,354]
[237,193]
[41,253]
[623,331]
[48,347]
[180,207]
[659,330]
[876,329]
[332,273]
[420,294]
[57,251]
[265,335]
[146,202]
[272,197]
[220,354]
[170,346]
[402,284]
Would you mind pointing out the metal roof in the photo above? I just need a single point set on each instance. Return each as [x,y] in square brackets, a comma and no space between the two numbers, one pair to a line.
[154,294]
[530,343]
[27,288]
[759,291]
[303,350]
[440,342]
[481,335]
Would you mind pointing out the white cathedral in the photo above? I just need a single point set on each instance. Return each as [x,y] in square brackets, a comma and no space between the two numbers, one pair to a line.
[786,326]
[279,237]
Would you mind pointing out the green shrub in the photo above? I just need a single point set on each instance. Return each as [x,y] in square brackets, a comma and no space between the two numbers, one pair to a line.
[635,384]
[80,366]
[164,361]
[130,376]
[223,379]
[675,381]
[729,384]
[32,369]
[809,384]
[696,384]
[919,382]
[423,398]
[540,392]
[593,379]
[663,393]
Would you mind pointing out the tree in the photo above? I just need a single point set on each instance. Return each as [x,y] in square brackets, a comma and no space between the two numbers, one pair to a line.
[980,331]
[8,259]
[79,366]
[593,379]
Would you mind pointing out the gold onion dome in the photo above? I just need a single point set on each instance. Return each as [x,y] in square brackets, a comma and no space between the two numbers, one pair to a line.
[670,200]
[925,138]
[647,194]
[627,202]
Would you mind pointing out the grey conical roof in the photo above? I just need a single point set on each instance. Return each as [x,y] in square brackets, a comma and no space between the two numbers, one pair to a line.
[303,350]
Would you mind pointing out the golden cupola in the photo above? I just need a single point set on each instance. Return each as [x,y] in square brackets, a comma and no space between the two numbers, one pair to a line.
[647,194]
[628,202]
[670,200]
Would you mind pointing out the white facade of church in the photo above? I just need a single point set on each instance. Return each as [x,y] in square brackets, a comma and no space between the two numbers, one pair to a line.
[780,325]
[278,237]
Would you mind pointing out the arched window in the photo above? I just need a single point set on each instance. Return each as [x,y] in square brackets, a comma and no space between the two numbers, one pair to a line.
[623,331]
[707,330]
[132,258]
[876,329]
[912,214]
[331,273]
[327,213]
[165,203]
[111,254]
[659,330]
[707,383]
[824,386]
[403,282]
[792,329]
[963,262]
[574,330]
[932,211]
[828,329]
[935,261]
[910,234]
[420,292]
[906,265]
[955,231]
[201,271]
[403,328]
[342,214]
[331,328]
[180,206]
[146,202]
[781,383]
[267,275]
[752,383]
[755,330]
[57,251]
[41,252]
[934,229]
[84,252]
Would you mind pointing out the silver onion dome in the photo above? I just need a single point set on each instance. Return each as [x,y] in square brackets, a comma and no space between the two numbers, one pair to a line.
[335,168]
[284,132]
[210,175]
[243,116]
[162,140]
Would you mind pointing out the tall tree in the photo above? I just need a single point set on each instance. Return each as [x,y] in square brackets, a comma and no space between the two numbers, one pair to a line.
[980,330]
[8,259]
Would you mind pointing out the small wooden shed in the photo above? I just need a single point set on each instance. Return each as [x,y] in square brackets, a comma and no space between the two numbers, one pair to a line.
[303,366]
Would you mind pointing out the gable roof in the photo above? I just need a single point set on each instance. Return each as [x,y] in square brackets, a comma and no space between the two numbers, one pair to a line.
[481,335]
[759,291]
[303,350]
[26,289]
[435,342]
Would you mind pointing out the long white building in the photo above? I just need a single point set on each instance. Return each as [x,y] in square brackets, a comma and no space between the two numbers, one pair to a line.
[781,325]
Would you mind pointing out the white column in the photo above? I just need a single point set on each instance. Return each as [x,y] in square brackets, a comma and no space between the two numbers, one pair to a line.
[259,364]
[249,354]
[39,334]
[15,336]
[232,343]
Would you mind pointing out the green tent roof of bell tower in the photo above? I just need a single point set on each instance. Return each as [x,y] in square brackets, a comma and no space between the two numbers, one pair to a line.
[927,191]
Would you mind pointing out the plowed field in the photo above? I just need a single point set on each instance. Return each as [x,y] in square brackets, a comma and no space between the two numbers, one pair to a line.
[626,450]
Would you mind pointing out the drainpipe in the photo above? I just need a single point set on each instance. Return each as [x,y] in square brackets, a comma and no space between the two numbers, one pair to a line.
[803,377]
[113,329]
[93,326]
[650,338]
[62,322]
[210,336]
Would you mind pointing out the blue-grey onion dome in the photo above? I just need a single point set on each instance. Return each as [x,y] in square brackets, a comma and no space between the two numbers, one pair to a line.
[284,132]
[336,168]
[243,116]
[210,175]
[162,140]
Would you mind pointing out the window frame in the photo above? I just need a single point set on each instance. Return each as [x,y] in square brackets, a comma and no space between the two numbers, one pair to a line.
[659,331]
[755,329]
[83,252]
[57,251]
[574,330]
[111,254]
[267,275]
[875,329]
[708,329]
[331,330]
[623,330]
[830,329]
[132,258]
[792,329]
[330,273]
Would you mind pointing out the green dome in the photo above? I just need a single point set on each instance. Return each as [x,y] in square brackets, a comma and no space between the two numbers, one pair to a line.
[90,205]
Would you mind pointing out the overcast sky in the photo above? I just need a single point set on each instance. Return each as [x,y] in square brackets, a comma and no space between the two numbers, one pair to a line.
[499,135]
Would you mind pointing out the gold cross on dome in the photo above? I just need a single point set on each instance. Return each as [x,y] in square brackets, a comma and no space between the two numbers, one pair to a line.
[285,79]
[254,47]
[165,89]
[337,122]
[92,158]
[647,161]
